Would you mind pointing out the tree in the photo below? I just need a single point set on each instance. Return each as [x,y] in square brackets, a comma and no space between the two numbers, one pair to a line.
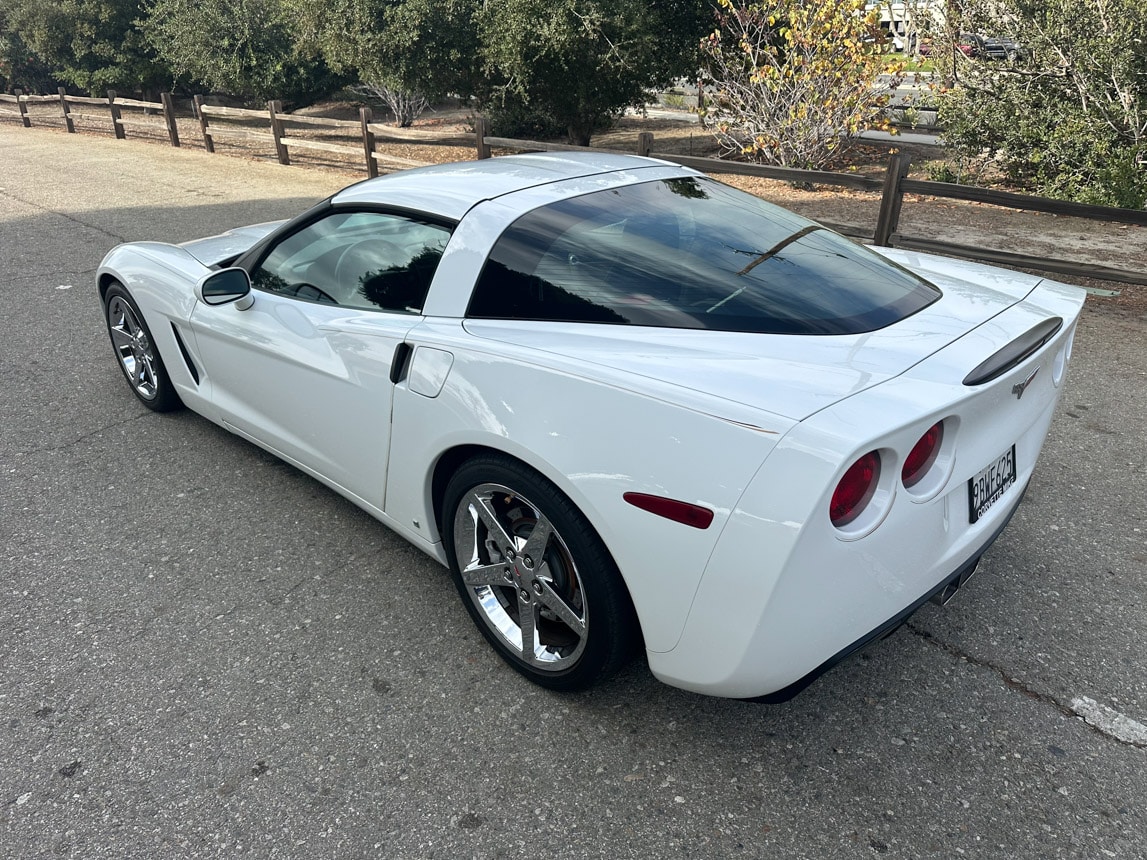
[405,52]
[91,44]
[1067,114]
[20,68]
[243,47]
[793,81]
[582,61]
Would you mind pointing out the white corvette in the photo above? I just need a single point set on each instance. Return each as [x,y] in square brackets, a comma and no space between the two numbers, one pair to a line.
[623,402]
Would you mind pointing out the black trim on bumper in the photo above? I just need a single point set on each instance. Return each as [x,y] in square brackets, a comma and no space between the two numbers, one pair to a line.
[891,625]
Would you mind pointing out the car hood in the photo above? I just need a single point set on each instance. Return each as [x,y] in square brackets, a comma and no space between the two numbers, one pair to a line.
[215,249]
[789,375]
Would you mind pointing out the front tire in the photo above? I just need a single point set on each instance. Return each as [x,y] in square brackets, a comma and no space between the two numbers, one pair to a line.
[137,353]
[535,576]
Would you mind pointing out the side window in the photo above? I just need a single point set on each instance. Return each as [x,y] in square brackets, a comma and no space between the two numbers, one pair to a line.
[366,260]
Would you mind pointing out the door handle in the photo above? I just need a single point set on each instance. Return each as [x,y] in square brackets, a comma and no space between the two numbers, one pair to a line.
[401,362]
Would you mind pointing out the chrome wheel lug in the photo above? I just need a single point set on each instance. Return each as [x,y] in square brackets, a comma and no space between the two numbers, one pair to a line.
[537,588]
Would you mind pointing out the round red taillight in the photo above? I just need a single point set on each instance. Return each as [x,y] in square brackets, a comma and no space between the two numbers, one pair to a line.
[855,490]
[922,455]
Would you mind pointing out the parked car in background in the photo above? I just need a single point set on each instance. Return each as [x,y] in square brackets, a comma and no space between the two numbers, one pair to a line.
[997,48]
[977,47]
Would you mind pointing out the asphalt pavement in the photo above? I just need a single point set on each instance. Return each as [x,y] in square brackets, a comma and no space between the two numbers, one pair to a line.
[204,653]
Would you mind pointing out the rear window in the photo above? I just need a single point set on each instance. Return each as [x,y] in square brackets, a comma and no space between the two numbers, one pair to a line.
[690,253]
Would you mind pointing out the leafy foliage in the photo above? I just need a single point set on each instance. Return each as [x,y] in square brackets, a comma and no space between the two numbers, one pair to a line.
[1066,116]
[20,68]
[792,80]
[413,49]
[579,62]
[511,117]
[243,47]
[92,44]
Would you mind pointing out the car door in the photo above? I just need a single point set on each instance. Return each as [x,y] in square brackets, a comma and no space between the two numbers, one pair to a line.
[305,370]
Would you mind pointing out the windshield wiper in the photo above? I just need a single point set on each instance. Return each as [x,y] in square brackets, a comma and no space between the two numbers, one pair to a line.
[780,246]
[772,252]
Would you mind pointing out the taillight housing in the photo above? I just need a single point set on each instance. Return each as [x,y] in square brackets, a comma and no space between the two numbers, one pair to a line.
[855,490]
[923,455]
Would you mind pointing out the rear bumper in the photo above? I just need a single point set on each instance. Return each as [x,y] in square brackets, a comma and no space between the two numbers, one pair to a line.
[945,588]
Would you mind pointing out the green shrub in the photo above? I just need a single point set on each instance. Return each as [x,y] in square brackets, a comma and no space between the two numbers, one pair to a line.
[520,120]
[941,171]
[1064,118]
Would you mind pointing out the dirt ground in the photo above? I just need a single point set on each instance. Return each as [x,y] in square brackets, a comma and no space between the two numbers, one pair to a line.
[1101,243]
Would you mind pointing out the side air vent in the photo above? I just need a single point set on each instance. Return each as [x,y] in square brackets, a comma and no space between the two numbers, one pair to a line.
[191,368]
[1014,353]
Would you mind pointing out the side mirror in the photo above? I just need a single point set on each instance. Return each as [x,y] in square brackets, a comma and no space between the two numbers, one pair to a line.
[226,286]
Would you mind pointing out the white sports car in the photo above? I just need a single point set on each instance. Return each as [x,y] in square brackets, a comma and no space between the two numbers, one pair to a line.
[624,403]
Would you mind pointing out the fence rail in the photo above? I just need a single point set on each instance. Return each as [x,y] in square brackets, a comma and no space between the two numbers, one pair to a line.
[361,139]
[1012,200]
[165,108]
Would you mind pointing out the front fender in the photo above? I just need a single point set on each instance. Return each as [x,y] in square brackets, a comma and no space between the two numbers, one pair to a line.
[161,279]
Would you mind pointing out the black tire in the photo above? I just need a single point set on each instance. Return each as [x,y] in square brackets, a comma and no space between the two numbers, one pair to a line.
[136,353]
[583,624]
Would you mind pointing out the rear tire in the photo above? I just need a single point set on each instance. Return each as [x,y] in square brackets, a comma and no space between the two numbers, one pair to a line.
[137,353]
[535,576]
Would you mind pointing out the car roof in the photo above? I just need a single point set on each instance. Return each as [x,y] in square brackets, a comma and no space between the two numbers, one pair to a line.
[451,190]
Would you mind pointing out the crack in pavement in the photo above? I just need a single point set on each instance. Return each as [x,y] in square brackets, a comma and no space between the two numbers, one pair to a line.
[1073,710]
[51,449]
[63,215]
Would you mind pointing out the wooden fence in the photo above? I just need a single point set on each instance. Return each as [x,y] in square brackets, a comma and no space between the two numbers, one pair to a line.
[282,131]
[362,138]
[163,121]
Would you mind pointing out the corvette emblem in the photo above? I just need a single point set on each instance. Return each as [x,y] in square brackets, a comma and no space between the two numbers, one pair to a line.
[1020,387]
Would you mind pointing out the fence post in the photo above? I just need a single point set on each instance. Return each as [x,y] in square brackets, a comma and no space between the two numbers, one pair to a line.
[208,143]
[117,126]
[480,131]
[644,142]
[890,202]
[23,107]
[367,115]
[278,131]
[169,117]
[66,108]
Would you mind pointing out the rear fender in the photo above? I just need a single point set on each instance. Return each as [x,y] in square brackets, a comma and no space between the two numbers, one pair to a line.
[595,441]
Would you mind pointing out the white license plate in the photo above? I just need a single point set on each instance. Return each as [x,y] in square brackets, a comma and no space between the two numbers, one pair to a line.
[985,488]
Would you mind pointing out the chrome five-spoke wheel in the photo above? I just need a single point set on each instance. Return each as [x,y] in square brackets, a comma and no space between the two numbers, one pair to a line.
[521,576]
[134,347]
[535,576]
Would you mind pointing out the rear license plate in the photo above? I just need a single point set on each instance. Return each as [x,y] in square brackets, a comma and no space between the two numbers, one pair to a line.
[985,488]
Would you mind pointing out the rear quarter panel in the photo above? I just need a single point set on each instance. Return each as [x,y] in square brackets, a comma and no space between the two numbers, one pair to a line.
[595,439]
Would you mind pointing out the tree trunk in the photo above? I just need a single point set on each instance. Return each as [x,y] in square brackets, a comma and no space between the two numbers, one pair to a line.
[579,132]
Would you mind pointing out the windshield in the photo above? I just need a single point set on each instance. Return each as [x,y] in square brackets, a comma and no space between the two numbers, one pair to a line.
[690,253]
